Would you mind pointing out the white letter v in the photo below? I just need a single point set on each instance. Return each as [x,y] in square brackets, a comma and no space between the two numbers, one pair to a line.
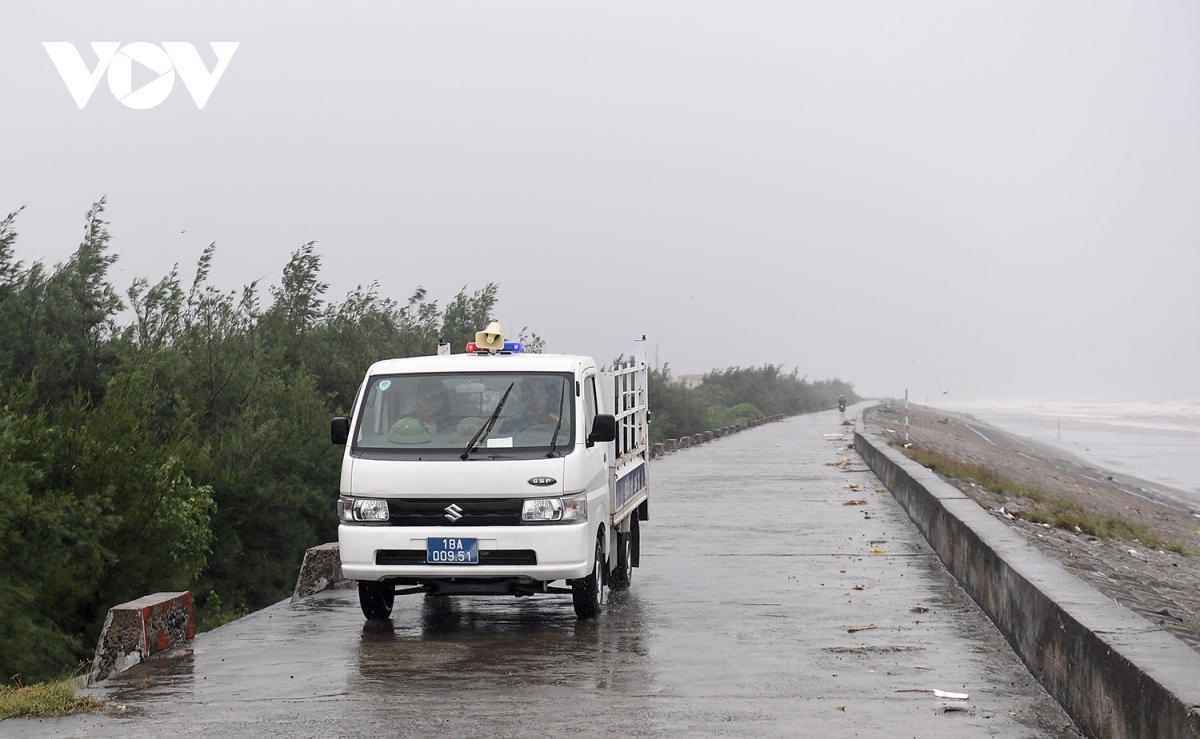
[80,82]
[196,78]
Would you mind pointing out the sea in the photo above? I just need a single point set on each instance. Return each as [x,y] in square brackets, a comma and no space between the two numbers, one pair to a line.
[1158,442]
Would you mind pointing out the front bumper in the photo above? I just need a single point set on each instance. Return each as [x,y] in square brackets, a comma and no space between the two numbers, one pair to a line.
[563,552]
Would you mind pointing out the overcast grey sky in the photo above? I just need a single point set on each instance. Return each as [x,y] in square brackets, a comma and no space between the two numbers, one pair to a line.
[996,200]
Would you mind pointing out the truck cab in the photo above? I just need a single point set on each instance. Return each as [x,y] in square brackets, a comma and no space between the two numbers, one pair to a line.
[493,472]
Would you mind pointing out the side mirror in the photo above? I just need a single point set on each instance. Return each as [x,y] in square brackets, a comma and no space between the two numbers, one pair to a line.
[339,430]
[604,428]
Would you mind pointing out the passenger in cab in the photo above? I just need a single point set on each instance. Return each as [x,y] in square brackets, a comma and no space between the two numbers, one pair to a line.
[433,405]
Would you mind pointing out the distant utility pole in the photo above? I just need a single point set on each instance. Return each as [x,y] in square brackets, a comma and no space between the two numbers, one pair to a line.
[905,415]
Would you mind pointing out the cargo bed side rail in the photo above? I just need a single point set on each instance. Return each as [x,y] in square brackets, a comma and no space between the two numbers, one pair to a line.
[631,407]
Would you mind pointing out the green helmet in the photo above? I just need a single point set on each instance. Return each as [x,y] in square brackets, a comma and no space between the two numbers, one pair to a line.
[408,431]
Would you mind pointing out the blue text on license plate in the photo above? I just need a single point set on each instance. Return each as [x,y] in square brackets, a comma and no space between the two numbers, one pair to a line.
[452,550]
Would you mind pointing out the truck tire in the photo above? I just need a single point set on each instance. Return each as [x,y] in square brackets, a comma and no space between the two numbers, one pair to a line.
[375,599]
[622,574]
[588,592]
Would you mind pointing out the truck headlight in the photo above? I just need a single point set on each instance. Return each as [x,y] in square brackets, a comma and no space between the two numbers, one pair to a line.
[363,509]
[569,509]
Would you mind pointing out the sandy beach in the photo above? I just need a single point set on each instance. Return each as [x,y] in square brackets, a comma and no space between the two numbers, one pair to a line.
[1152,578]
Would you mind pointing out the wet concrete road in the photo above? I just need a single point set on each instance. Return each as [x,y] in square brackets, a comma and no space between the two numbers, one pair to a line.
[738,623]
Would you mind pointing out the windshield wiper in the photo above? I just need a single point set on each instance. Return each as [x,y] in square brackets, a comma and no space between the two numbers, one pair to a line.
[486,428]
[562,392]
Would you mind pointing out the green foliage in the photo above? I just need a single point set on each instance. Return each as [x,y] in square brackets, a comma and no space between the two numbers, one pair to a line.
[187,449]
[95,508]
[720,416]
[674,409]
[52,698]
[212,613]
[730,396]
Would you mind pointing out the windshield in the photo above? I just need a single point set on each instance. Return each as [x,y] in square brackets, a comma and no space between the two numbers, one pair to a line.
[444,412]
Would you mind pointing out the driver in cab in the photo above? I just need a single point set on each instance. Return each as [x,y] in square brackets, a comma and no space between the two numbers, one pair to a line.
[540,398]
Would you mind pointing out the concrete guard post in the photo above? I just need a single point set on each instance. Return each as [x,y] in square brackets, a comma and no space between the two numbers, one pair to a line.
[135,630]
[321,569]
[1114,672]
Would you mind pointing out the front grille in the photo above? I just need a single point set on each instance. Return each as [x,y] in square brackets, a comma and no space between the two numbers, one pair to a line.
[473,511]
[486,557]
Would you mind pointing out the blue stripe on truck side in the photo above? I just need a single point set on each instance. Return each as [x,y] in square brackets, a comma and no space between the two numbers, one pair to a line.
[630,485]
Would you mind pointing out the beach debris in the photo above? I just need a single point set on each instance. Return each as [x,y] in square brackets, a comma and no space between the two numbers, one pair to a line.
[835,437]
[856,629]
[881,490]
[840,708]
[943,420]
[951,696]
[855,501]
[1005,513]
[851,485]
[864,587]
[847,422]
[919,609]
[877,550]
[1168,614]
[937,693]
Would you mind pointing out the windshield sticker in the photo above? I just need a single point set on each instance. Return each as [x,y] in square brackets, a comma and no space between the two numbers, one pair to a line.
[385,384]
[501,442]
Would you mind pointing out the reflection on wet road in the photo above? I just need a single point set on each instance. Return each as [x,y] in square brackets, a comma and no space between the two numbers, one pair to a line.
[772,601]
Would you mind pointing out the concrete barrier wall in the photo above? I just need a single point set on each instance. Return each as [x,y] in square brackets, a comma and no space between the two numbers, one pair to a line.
[320,570]
[1115,673]
[671,445]
[135,630]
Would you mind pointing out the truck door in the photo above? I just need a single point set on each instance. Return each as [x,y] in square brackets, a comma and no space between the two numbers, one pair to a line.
[597,453]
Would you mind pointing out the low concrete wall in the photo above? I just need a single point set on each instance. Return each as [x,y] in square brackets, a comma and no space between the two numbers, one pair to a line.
[320,570]
[672,445]
[1115,673]
[135,630]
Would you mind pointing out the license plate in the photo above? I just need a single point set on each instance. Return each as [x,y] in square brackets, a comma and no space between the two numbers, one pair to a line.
[452,551]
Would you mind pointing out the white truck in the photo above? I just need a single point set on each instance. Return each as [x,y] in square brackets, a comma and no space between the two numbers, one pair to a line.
[494,472]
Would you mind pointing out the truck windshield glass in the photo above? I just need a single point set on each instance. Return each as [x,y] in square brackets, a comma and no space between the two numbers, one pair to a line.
[443,412]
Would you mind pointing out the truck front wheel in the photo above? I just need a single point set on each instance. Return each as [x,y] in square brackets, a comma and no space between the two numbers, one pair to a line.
[375,599]
[588,592]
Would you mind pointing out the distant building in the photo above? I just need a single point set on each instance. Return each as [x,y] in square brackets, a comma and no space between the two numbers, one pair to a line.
[691,381]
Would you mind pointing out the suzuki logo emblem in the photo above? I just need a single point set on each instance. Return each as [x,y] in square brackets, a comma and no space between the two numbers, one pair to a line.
[453,512]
